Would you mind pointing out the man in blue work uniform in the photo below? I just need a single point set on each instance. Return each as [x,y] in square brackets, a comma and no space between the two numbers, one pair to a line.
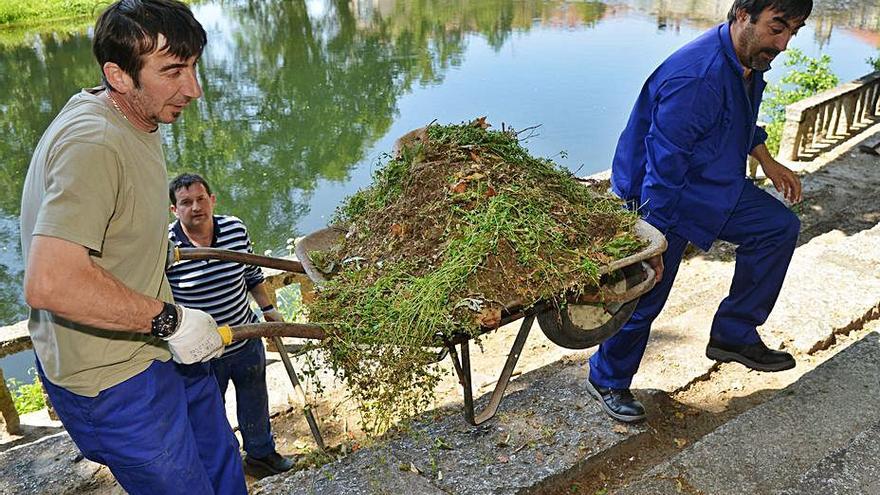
[681,162]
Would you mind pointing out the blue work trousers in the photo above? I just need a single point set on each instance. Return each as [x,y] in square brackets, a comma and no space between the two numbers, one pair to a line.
[766,233]
[162,431]
[246,368]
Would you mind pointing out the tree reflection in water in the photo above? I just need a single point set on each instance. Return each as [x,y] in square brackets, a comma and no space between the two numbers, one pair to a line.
[296,93]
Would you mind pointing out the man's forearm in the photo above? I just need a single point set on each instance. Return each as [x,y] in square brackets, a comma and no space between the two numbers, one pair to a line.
[260,295]
[62,278]
[761,153]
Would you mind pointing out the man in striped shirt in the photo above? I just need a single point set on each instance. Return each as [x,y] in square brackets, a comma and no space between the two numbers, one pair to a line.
[220,288]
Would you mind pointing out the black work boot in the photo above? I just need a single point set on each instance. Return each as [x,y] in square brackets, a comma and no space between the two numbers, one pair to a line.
[755,356]
[617,403]
[273,463]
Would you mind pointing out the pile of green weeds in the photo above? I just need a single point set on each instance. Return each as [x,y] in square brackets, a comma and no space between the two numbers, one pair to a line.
[462,225]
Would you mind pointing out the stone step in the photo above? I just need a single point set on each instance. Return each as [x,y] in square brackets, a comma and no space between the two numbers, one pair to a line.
[799,437]
[51,465]
[833,284]
[852,470]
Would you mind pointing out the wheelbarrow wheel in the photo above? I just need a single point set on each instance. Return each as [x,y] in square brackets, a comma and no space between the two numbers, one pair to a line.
[579,326]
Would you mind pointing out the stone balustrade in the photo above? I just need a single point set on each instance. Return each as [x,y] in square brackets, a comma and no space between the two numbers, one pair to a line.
[821,122]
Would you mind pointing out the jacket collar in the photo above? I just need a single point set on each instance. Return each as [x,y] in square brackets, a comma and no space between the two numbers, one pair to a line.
[729,52]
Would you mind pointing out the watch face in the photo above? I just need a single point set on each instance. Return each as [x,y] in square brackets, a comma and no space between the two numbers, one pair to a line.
[165,323]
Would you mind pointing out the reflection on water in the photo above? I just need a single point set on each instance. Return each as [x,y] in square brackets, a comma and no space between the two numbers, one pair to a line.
[302,97]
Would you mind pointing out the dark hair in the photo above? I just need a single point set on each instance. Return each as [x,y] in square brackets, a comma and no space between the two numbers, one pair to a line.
[184,181]
[129,30]
[791,9]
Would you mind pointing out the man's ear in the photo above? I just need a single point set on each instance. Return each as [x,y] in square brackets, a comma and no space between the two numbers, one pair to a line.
[742,15]
[118,79]
[174,210]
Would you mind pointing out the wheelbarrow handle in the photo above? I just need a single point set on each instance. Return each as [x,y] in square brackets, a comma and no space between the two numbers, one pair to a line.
[278,329]
[178,254]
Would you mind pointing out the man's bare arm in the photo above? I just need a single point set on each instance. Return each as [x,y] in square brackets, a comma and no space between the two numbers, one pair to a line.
[261,295]
[785,181]
[60,277]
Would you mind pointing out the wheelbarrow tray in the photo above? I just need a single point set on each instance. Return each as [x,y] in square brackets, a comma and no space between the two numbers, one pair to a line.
[639,278]
[327,238]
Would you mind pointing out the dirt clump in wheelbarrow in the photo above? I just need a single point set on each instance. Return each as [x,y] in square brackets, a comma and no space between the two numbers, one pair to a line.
[459,226]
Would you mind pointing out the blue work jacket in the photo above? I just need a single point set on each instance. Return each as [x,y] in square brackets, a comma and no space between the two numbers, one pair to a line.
[681,159]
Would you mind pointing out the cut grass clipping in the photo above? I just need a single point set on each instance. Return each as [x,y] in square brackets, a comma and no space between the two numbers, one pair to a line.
[460,225]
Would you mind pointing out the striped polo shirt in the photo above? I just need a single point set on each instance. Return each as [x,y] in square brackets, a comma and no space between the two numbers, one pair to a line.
[219,288]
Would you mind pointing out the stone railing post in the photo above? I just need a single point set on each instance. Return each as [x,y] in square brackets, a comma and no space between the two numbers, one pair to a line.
[7,408]
[822,121]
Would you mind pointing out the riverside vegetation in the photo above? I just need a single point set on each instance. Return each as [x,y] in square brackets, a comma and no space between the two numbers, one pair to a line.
[18,18]
[27,397]
[41,11]
[806,77]
[458,227]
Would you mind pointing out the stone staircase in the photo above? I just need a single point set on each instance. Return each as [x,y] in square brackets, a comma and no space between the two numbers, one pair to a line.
[820,435]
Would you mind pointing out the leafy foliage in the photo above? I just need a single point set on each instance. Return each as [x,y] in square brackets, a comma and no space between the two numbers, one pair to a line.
[806,77]
[51,13]
[874,62]
[27,397]
[289,303]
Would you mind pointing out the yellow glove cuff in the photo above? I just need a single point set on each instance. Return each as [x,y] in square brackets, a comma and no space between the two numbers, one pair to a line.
[225,334]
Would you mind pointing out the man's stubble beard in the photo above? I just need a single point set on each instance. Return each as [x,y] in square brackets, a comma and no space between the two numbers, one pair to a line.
[750,43]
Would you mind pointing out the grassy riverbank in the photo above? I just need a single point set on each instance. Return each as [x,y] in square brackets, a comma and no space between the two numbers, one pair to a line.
[16,13]
[20,18]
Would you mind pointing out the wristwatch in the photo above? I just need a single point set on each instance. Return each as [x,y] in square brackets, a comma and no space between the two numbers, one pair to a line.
[165,323]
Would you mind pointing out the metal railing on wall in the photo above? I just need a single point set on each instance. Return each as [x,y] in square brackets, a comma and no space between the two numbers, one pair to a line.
[821,122]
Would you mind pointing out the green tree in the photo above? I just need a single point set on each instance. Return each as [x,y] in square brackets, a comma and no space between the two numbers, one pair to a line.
[806,77]
[874,62]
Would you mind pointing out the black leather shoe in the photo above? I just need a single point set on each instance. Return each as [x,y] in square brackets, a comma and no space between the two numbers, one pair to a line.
[617,403]
[273,463]
[755,356]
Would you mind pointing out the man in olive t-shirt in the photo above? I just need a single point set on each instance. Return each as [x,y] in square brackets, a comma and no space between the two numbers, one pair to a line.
[126,370]
[97,181]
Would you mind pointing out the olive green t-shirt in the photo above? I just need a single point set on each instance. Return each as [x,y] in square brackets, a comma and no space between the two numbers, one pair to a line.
[100,182]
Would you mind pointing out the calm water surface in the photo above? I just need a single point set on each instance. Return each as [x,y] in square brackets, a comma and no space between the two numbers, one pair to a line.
[302,98]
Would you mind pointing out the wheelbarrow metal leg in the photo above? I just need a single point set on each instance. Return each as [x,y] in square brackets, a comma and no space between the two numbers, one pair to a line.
[463,370]
[307,411]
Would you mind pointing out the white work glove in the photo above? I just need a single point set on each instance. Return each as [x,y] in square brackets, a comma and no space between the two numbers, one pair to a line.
[272,315]
[197,338]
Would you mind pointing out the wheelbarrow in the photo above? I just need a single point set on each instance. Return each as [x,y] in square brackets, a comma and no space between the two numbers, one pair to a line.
[570,321]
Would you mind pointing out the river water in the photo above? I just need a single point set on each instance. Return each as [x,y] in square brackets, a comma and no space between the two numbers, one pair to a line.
[302,98]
